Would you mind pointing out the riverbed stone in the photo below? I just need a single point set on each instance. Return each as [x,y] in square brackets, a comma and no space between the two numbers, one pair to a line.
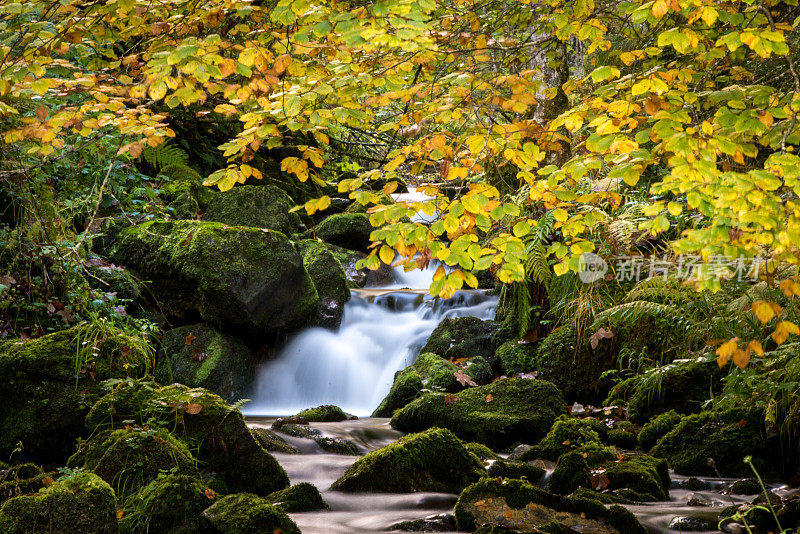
[82,503]
[428,371]
[234,278]
[507,411]
[199,355]
[435,460]
[326,413]
[432,523]
[271,441]
[566,434]
[171,504]
[303,497]
[245,513]
[330,280]
[461,337]
[256,206]
[346,230]
[49,383]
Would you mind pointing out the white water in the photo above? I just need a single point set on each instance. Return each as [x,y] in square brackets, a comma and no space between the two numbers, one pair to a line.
[382,331]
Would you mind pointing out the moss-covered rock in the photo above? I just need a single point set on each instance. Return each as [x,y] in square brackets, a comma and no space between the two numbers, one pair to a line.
[21,480]
[623,435]
[745,486]
[326,413]
[329,278]
[505,412]
[260,287]
[570,473]
[129,459]
[255,206]
[213,430]
[567,434]
[337,446]
[49,383]
[79,504]
[271,441]
[482,451]
[348,259]
[303,497]
[516,357]
[347,230]
[245,513]
[683,386]
[657,428]
[510,469]
[168,505]
[428,371]
[725,438]
[184,191]
[199,355]
[461,337]
[528,508]
[647,476]
[434,460]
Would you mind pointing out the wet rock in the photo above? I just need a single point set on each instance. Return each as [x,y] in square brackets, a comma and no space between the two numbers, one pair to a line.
[507,411]
[694,484]
[460,337]
[510,469]
[429,461]
[568,433]
[770,497]
[293,420]
[690,524]
[170,504]
[324,414]
[432,523]
[256,206]
[519,451]
[300,431]
[745,486]
[330,281]
[245,513]
[199,355]
[429,371]
[303,497]
[647,476]
[347,230]
[79,504]
[571,472]
[694,499]
[338,446]
[271,441]
[578,410]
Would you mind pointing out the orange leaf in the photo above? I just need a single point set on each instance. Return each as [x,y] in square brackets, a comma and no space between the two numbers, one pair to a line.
[741,358]
[489,398]
[41,112]
[210,494]
[193,408]
[189,338]
[120,513]
[47,481]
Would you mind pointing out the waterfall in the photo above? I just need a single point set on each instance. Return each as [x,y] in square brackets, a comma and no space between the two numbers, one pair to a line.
[381,332]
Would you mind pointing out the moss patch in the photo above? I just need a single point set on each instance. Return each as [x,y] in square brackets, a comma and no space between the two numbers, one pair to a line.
[330,280]
[271,441]
[461,337]
[323,414]
[245,513]
[657,428]
[429,461]
[507,411]
[567,434]
[347,230]
[515,357]
[169,505]
[256,206]
[303,497]
[428,371]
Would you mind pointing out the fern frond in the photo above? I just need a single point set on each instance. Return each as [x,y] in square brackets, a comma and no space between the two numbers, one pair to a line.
[165,155]
[523,307]
[631,312]
[661,290]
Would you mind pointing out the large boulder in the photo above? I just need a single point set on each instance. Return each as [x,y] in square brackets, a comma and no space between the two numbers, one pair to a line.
[347,230]
[48,384]
[245,513]
[184,192]
[303,497]
[526,508]
[568,433]
[256,206]
[238,278]
[435,460]
[79,504]
[170,505]
[130,458]
[326,413]
[716,442]
[329,278]
[507,411]
[461,337]
[199,355]
[220,439]
[429,371]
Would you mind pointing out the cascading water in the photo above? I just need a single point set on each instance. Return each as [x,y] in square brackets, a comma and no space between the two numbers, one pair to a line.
[382,331]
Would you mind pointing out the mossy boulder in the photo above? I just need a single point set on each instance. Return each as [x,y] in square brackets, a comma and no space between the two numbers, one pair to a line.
[434,460]
[714,442]
[245,513]
[347,230]
[647,476]
[494,501]
[49,383]
[461,337]
[235,278]
[213,430]
[507,411]
[168,505]
[683,386]
[303,497]
[348,259]
[271,441]
[255,206]
[323,414]
[428,371]
[520,470]
[184,192]
[657,428]
[482,451]
[21,480]
[78,504]
[570,473]
[129,459]
[329,278]
[516,357]
[199,355]
[567,434]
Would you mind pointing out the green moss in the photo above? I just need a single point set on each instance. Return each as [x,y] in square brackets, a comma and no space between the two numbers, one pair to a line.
[532,508]
[429,371]
[337,446]
[482,451]
[261,286]
[303,497]
[571,472]
[726,437]
[516,357]
[129,459]
[168,505]
[50,382]
[184,192]
[271,441]
[568,433]
[217,433]
[213,360]
[80,504]
[647,476]
[460,337]
[323,414]
[348,230]
[479,369]
[434,460]
[245,513]
[20,480]
[519,470]
[657,428]
[623,437]
[113,279]
[256,206]
[746,486]
[507,411]
[329,278]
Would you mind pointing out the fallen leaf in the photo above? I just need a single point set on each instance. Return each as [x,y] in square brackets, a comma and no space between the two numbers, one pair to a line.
[189,338]
[450,399]
[464,379]
[120,513]
[601,333]
[489,398]
[48,481]
[193,408]
[210,494]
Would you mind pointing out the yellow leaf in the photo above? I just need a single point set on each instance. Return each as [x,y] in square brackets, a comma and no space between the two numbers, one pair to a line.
[227,67]
[763,311]
[783,330]
[660,8]
[386,254]
[755,346]
[726,350]
[674,209]
[157,91]
[765,118]
[741,358]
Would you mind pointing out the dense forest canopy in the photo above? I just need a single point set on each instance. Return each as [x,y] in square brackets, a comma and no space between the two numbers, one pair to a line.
[541,131]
